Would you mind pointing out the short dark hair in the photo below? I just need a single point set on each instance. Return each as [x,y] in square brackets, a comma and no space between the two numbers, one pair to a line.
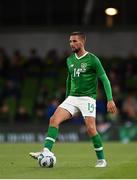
[81,34]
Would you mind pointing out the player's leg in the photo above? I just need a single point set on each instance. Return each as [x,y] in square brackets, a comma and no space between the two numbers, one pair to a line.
[87,107]
[65,111]
[58,117]
[96,140]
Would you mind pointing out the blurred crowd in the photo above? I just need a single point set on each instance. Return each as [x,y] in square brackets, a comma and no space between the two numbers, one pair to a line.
[33,86]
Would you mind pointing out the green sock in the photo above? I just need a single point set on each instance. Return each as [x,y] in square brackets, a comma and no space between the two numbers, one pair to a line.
[51,137]
[98,146]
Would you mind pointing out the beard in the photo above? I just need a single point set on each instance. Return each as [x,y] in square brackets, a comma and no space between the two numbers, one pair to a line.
[75,50]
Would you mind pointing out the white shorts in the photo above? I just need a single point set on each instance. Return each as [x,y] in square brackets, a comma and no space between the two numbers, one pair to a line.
[84,104]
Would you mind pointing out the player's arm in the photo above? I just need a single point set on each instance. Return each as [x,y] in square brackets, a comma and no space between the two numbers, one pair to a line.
[68,83]
[106,83]
[107,86]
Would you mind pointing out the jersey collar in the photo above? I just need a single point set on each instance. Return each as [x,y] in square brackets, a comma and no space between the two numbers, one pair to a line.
[81,56]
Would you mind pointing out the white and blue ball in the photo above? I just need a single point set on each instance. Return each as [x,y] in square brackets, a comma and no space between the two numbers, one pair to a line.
[47,161]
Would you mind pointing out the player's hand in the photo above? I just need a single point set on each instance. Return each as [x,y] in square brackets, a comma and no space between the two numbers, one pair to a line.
[111,107]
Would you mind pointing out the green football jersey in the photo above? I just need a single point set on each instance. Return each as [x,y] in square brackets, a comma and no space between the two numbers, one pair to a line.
[83,75]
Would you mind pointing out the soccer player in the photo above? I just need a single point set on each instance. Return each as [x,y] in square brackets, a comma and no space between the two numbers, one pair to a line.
[84,70]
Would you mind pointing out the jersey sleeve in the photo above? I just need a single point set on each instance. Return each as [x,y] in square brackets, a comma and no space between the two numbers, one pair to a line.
[101,74]
[68,82]
[107,86]
[99,68]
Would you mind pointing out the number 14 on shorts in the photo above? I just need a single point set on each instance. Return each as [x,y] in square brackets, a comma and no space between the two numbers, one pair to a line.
[91,107]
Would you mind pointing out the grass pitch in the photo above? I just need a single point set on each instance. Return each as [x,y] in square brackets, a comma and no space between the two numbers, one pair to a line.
[74,161]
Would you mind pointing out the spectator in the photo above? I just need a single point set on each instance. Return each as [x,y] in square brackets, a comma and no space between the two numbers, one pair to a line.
[129,108]
[22,115]
[11,89]
[4,63]
[52,107]
[61,93]
[34,59]
[101,108]
[4,113]
[52,58]
[40,108]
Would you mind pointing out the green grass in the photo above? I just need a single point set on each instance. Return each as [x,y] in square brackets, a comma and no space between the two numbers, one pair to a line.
[74,160]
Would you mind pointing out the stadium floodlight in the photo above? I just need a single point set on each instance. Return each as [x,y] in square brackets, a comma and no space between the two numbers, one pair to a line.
[111,11]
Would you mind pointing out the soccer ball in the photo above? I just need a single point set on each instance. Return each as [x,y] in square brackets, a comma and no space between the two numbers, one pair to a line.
[46,160]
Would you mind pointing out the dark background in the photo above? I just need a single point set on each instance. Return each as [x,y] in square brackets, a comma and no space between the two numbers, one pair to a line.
[59,12]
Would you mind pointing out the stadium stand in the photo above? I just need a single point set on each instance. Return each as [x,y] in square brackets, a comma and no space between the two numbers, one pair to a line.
[27,95]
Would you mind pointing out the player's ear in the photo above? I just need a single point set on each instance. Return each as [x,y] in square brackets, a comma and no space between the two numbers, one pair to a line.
[84,41]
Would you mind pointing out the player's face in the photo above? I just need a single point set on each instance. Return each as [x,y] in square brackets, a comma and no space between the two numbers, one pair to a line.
[76,43]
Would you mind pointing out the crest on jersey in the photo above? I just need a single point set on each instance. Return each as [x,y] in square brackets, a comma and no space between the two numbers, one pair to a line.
[83,66]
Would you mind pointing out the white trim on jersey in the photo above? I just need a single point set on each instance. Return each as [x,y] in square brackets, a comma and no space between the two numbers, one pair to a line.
[81,56]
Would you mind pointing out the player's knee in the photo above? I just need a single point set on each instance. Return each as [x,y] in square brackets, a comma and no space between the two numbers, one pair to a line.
[53,121]
[91,129]
[91,126]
